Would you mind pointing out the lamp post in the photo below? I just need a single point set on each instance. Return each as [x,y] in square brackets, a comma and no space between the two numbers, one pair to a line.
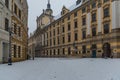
[10,57]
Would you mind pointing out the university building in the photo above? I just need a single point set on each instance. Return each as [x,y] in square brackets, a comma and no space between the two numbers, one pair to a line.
[19,30]
[5,24]
[14,19]
[89,28]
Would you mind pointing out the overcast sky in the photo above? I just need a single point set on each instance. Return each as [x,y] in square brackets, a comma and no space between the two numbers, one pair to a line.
[36,7]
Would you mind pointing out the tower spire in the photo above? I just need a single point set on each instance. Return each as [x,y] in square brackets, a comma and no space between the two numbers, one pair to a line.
[48,5]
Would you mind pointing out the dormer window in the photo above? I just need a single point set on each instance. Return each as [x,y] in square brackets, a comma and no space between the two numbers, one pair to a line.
[83,9]
[78,2]
[64,10]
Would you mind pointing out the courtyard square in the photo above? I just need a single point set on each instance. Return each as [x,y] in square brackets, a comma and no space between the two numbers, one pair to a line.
[62,69]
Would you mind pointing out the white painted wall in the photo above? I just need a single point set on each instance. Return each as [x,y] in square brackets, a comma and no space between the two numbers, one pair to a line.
[4,35]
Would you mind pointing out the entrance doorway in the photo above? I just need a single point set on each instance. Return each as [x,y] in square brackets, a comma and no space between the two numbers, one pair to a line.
[5,52]
[94,52]
[106,50]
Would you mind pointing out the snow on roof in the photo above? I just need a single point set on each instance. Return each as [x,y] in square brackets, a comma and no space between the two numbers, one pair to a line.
[57,16]
[74,6]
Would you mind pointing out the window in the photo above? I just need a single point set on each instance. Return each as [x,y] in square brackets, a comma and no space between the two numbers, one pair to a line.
[69,37]
[63,51]
[63,29]
[44,36]
[62,20]
[44,43]
[93,4]
[93,31]
[68,17]
[75,14]
[15,28]
[75,24]
[50,52]
[76,36]
[83,34]
[106,1]
[53,25]
[58,51]
[47,34]
[63,39]
[50,34]
[47,52]
[47,42]
[93,46]
[57,23]
[63,12]
[7,3]
[19,51]
[20,1]
[20,14]
[83,10]
[83,49]
[58,30]
[106,12]
[19,31]
[106,28]
[83,21]
[78,2]
[54,52]
[69,51]
[15,9]
[54,32]
[93,17]
[6,24]
[15,54]
[58,40]
[50,42]
[54,41]
[69,27]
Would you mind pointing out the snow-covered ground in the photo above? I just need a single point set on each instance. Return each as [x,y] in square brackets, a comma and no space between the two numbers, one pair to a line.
[62,69]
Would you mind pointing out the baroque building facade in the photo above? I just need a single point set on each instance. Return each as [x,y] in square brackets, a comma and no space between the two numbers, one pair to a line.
[89,28]
[5,24]
[19,29]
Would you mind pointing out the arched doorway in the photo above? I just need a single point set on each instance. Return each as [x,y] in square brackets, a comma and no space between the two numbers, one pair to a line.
[106,50]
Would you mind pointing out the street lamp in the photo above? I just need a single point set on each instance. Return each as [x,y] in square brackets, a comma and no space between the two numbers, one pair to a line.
[10,57]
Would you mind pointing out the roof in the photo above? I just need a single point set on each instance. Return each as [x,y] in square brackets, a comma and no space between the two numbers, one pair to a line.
[71,8]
